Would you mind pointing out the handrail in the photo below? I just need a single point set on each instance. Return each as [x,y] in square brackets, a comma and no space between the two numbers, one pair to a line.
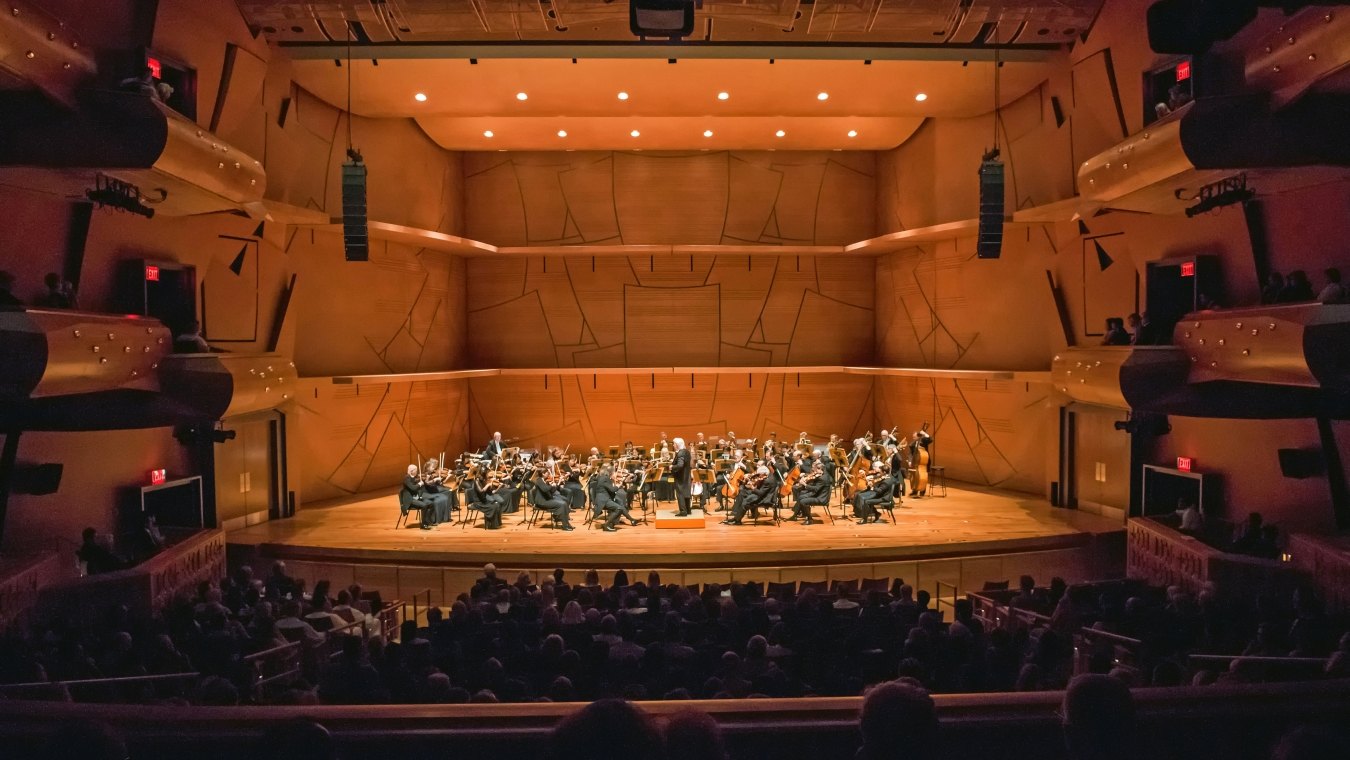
[1260,659]
[102,681]
[937,604]
[1114,638]
[269,652]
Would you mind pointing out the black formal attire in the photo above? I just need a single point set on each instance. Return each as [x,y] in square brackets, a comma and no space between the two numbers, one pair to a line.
[899,468]
[680,471]
[493,449]
[548,498]
[412,495]
[922,440]
[750,498]
[830,467]
[813,494]
[865,503]
[490,504]
[610,499]
[442,499]
[575,493]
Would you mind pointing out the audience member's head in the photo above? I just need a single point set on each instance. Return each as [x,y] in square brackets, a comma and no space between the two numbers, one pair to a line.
[605,729]
[1311,743]
[898,721]
[299,739]
[1097,718]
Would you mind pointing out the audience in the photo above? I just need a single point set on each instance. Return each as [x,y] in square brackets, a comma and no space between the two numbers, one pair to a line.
[1115,333]
[60,293]
[1334,291]
[1098,718]
[899,722]
[7,298]
[94,557]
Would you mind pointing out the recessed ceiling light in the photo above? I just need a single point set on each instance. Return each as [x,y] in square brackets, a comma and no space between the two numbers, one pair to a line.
[562,133]
[921,97]
[420,97]
[780,133]
[707,133]
[853,133]
[823,96]
[623,96]
[522,96]
[634,133]
[723,95]
[487,133]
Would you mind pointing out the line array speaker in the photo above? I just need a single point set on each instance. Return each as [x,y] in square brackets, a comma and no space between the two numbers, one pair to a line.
[989,244]
[356,244]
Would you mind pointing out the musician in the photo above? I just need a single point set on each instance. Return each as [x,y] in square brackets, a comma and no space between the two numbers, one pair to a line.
[888,438]
[571,474]
[495,447]
[759,493]
[812,491]
[862,448]
[881,489]
[922,440]
[681,470]
[700,442]
[549,498]
[443,500]
[610,499]
[484,494]
[412,495]
[662,446]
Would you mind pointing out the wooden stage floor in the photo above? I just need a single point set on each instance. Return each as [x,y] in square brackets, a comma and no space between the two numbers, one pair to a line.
[970,521]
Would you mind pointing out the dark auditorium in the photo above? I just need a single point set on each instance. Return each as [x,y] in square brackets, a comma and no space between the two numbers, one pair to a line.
[675,379]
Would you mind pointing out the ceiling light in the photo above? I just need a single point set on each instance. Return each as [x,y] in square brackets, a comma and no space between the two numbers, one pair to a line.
[522,96]
[921,97]
[623,96]
[823,96]
[853,133]
[634,133]
[562,133]
[723,95]
[780,133]
[707,133]
[420,97]
[487,133]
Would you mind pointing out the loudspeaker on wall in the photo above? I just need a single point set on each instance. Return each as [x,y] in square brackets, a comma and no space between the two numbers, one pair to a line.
[1301,463]
[355,243]
[989,243]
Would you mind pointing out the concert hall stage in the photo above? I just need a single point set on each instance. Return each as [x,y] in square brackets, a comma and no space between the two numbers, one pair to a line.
[972,535]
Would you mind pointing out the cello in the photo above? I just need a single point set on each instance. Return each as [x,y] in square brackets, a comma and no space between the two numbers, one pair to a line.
[918,477]
[789,480]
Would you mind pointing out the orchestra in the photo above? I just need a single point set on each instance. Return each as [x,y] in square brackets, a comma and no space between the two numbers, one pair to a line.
[743,476]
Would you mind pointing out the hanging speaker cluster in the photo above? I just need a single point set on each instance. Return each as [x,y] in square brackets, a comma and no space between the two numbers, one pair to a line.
[355,242]
[989,243]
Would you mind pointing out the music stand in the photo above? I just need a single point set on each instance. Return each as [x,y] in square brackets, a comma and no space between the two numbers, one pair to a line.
[614,451]
[651,475]
[708,480]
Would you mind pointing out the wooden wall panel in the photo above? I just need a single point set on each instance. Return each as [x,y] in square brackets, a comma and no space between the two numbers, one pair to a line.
[669,198]
[357,438]
[604,410]
[669,311]
[997,433]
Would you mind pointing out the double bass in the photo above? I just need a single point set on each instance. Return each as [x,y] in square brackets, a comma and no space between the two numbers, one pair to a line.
[918,477]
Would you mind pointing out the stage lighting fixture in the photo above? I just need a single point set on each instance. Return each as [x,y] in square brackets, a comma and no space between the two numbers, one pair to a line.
[661,18]
[120,195]
[1228,191]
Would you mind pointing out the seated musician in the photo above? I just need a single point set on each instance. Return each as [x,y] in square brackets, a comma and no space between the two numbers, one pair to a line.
[881,489]
[549,498]
[610,499]
[724,478]
[442,498]
[483,494]
[412,495]
[572,488]
[811,491]
[760,492]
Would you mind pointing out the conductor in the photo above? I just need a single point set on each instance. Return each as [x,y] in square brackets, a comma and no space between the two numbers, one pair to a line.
[680,470]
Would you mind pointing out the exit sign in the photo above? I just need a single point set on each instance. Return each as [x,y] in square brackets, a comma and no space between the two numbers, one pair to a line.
[1188,269]
[151,273]
[1183,71]
[157,477]
[1184,464]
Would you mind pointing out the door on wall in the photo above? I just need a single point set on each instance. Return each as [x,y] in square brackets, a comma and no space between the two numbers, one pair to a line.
[1101,461]
[250,471]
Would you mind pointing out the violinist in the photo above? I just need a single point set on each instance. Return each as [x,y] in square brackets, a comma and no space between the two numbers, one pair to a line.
[548,497]
[880,490]
[443,498]
[610,499]
[813,490]
[412,495]
[571,482]
[484,495]
[758,491]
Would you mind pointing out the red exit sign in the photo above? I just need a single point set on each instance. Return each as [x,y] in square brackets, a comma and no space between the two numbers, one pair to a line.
[1184,464]
[1188,269]
[157,477]
[157,68]
[1183,71]
[151,273]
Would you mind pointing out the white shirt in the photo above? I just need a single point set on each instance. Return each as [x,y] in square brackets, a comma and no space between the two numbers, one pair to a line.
[1334,292]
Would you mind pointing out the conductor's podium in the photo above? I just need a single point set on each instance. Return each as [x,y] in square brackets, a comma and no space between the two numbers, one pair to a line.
[666,519]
